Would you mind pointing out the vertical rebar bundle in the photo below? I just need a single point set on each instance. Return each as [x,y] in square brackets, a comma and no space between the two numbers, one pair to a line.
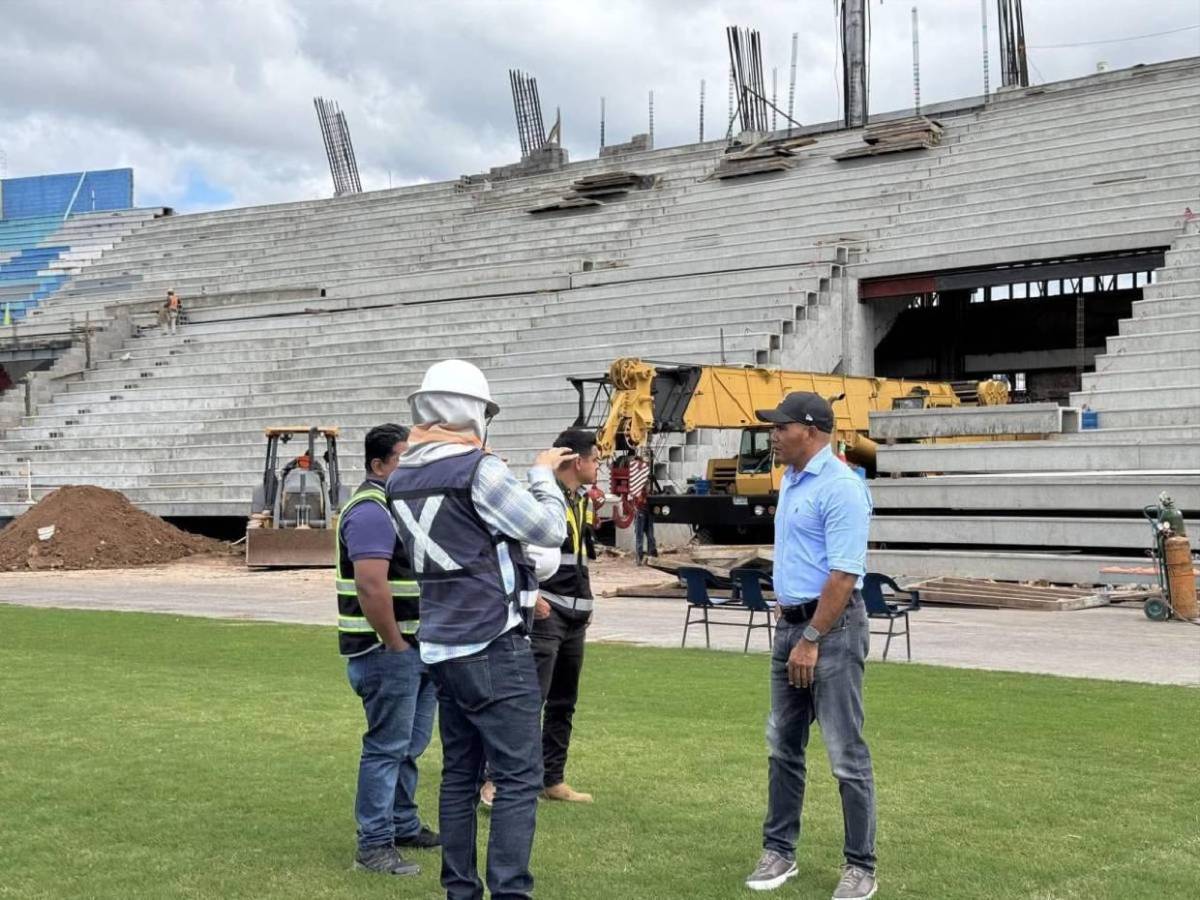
[792,84]
[527,106]
[702,110]
[745,59]
[774,96]
[729,112]
[601,123]
[986,73]
[652,120]
[339,149]
[1014,67]
[916,64]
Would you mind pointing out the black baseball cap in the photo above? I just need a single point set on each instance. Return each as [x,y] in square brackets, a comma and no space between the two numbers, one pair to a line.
[802,407]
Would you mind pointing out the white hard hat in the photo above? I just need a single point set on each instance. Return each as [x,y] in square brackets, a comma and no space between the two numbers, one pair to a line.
[457,376]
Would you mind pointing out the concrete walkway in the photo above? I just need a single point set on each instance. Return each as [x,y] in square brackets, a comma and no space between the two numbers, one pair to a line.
[1110,642]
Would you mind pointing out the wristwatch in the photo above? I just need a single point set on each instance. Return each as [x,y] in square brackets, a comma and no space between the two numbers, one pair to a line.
[811,635]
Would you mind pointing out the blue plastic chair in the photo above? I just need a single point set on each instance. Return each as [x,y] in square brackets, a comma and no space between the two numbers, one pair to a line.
[748,587]
[878,607]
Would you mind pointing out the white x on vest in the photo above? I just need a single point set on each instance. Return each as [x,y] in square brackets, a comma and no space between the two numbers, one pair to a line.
[422,544]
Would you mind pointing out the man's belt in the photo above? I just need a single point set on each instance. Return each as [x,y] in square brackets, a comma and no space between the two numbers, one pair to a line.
[797,613]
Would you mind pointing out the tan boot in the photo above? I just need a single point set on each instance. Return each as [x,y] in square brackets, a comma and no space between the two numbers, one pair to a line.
[487,794]
[565,792]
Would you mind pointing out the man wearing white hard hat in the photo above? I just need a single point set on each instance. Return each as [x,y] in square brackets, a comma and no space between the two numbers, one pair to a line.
[463,518]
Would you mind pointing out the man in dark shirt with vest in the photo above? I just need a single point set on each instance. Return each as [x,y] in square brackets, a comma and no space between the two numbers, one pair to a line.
[563,611]
[378,604]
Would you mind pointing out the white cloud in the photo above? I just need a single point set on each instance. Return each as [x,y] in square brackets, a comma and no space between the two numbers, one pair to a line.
[223,90]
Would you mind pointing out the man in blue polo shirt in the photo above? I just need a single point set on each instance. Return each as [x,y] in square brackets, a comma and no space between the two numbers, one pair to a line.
[821,522]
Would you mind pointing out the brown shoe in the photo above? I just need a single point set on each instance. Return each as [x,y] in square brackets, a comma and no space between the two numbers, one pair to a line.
[565,792]
[487,794]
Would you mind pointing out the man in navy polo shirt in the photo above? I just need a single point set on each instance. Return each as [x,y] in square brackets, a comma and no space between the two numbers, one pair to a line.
[821,521]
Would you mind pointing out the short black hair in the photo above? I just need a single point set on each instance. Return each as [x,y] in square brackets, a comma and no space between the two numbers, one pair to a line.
[577,440]
[381,440]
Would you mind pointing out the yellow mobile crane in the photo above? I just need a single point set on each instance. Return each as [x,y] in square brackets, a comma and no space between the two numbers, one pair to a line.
[638,399]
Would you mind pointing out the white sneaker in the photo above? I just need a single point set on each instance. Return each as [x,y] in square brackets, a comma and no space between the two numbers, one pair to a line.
[772,871]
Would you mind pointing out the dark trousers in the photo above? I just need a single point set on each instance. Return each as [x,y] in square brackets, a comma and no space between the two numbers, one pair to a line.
[558,642]
[835,702]
[488,706]
[643,534]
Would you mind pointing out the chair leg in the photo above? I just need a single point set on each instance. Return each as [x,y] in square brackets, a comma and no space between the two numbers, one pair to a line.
[749,629]
[770,637]
[707,642]
[888,642]
[686,622]
[907,639]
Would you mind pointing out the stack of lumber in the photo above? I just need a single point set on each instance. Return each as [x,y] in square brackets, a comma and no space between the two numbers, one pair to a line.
[761,156]
[912,133]
[1006,594]
[596,190]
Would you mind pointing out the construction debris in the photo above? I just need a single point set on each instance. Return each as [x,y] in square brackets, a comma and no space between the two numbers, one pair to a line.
[759,157]
[94,528]
[912,133]
[1006,594]
[596,190]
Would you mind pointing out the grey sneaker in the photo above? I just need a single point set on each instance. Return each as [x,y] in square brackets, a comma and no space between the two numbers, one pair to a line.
[772,871]
[384,860]
[856,884]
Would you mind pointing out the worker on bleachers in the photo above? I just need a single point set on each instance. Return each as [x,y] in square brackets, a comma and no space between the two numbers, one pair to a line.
[378,615]
[173,307]
[463,517]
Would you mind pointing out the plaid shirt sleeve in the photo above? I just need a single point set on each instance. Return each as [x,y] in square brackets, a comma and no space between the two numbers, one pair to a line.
[537,515]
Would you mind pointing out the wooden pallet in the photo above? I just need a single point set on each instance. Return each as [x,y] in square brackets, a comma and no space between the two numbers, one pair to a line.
[1006,594]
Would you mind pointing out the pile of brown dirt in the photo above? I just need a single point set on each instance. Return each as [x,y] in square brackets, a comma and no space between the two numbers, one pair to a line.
[94,528]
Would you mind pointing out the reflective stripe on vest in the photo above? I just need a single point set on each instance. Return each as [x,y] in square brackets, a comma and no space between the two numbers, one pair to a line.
[360,625]
[355,634]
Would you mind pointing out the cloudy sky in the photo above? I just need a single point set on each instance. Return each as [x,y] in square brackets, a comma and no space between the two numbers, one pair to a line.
[211,100]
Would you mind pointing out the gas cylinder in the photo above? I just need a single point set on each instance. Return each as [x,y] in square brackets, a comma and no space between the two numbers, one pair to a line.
[1181,580]
[1169,515]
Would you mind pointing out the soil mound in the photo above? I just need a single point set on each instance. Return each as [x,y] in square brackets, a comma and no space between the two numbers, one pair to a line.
[94,528]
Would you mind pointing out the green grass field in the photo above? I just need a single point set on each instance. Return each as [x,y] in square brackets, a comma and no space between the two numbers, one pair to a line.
[150,756]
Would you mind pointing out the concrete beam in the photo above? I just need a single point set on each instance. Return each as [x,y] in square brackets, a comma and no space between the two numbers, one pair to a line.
[1017,493]
[1035,456]
[1032,418]
[1005,566]
[1031,531]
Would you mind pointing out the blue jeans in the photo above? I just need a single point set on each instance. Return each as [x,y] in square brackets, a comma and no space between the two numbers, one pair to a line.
[835,702]
[399,703]
[489,706]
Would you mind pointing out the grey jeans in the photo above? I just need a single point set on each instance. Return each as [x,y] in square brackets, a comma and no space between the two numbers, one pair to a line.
[835,702]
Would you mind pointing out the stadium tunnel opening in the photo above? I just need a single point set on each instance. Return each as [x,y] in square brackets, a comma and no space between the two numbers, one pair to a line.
[1040,325]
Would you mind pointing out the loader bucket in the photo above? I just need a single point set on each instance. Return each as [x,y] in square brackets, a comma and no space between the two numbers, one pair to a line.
[290,548]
